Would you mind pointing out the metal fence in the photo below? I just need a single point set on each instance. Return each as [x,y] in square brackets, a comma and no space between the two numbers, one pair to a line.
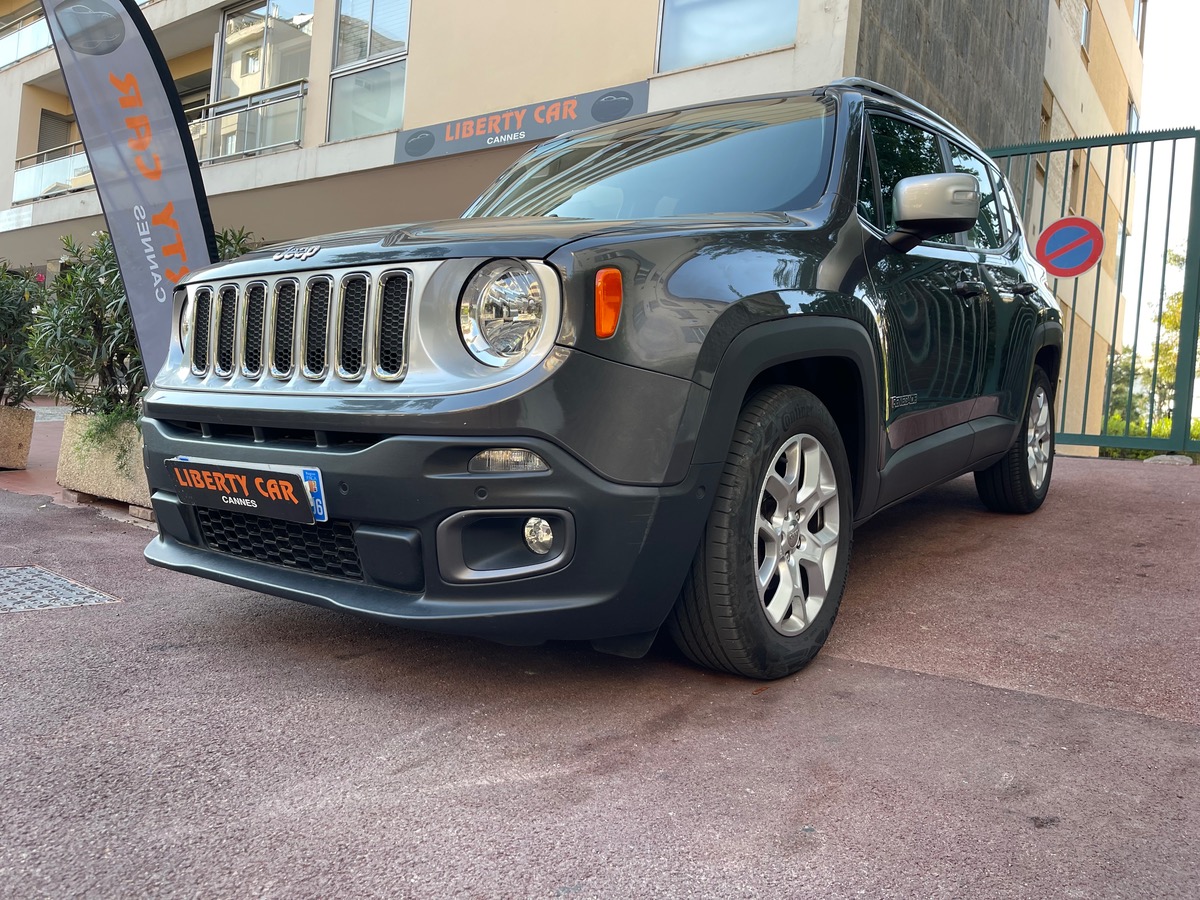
[1129,373]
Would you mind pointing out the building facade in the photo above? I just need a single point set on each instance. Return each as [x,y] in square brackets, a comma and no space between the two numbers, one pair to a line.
[1092,86]
[312,116]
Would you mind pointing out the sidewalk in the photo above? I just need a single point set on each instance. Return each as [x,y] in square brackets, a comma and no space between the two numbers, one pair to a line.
[38,477]
[1008,707]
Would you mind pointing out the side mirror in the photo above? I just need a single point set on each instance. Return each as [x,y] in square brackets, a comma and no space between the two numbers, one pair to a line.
[925,206]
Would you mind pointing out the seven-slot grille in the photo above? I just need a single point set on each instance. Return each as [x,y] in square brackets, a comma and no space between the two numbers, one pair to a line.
[317,325]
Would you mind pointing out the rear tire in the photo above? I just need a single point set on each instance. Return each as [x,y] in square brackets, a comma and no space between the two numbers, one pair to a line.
[766,582]
[1019,482]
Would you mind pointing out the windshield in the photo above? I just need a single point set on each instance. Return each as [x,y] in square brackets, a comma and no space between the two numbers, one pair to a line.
[751,156]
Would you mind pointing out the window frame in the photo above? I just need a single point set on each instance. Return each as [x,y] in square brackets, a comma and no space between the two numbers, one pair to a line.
[994,180]
[361,65]
[367,61]
[1085,30]
[943,150]
[944,142]
[866,157]
[215,97]
[658,45]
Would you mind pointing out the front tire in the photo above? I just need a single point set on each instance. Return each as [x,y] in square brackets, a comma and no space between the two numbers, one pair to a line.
[1019,482]
[768,577]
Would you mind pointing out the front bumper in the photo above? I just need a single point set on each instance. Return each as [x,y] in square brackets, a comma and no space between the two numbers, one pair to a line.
[631,544]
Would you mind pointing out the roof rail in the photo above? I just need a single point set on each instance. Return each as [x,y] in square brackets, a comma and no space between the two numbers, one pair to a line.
[882,90]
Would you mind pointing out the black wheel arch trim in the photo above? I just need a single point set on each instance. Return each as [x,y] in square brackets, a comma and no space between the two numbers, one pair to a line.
[769,344]
[1048,334]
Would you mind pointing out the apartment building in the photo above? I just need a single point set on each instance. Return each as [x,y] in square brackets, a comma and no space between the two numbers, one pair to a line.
[313,116]
[1092,87]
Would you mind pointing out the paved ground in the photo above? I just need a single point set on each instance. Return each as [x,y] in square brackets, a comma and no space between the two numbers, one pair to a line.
[1007,708]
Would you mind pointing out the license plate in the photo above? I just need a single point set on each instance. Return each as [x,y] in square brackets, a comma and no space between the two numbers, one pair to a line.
[294,493]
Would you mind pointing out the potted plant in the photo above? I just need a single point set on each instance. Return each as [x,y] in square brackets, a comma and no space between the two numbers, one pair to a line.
[88,356]
[20,292]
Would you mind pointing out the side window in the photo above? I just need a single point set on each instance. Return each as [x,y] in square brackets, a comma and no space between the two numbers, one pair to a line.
[986,234]
[868,196]
[1007,210]
[901,151]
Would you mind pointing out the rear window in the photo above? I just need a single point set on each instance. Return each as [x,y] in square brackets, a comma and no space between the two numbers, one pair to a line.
[752,156]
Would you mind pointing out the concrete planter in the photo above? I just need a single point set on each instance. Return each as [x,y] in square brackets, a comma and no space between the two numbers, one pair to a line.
[111,468]
[16,433]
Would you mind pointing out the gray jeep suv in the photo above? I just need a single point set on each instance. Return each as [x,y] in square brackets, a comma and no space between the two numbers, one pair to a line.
[656,375]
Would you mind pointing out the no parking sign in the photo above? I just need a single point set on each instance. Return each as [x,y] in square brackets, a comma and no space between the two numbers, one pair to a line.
[1070,246]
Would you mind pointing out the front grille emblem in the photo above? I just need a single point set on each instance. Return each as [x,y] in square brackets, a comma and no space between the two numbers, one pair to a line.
[300,253]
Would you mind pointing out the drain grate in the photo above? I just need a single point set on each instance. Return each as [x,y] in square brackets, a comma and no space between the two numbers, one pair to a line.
[24,588]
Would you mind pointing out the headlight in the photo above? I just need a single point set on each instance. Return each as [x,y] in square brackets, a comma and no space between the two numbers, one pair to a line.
[501,312]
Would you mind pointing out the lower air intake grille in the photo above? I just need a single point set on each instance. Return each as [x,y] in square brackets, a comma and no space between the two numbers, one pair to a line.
[326,548]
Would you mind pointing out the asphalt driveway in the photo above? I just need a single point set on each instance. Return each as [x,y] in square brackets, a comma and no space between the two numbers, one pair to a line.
[1007,708]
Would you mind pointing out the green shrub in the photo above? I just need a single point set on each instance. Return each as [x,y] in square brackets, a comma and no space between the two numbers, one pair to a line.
[20,294]
[83,334]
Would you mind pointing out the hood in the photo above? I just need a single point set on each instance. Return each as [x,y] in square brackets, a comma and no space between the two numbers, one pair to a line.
[523,238]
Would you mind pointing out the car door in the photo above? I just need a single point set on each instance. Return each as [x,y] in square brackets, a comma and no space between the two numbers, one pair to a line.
[1013,306]
[929,299]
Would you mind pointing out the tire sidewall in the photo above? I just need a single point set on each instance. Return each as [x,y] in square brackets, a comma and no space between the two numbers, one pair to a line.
[1037,495]
[773,653]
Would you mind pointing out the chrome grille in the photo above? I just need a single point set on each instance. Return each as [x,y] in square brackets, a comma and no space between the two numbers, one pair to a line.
[393,312]
[252,331]
[285,328]
[226,328]
[318,326]
[200,331]
[352,327]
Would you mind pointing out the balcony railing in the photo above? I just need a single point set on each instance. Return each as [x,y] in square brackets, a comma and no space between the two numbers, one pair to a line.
[268,120]
[23,37]
[51,172]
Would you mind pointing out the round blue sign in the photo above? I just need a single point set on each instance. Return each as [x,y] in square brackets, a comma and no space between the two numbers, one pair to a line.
[1070,246]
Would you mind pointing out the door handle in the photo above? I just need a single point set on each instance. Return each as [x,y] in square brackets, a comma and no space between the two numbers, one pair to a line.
[1025,288]
[968,289]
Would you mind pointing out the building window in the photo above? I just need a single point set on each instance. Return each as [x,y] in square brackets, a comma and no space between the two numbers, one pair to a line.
[698,32]
[1078,186]
[1085,28]
[1047,112]
[1139,23]
[367,91]
[264,45]
[1119,252]
[1132,125]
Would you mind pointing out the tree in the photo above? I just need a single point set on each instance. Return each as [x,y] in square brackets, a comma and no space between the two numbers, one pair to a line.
[1147,389]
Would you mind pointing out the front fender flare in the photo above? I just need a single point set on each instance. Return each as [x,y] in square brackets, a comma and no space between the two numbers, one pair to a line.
[769,344]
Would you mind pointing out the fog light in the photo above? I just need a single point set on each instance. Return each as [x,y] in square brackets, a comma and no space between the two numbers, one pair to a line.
[539,536]
[507,460]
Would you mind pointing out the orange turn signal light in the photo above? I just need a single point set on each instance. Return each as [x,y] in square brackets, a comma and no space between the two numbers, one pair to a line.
[609,293]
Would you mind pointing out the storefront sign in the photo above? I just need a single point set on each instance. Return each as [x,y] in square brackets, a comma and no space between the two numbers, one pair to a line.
[534,122]
[140,153]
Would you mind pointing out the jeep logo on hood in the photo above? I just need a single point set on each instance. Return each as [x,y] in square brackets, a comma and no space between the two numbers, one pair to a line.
[300,253]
